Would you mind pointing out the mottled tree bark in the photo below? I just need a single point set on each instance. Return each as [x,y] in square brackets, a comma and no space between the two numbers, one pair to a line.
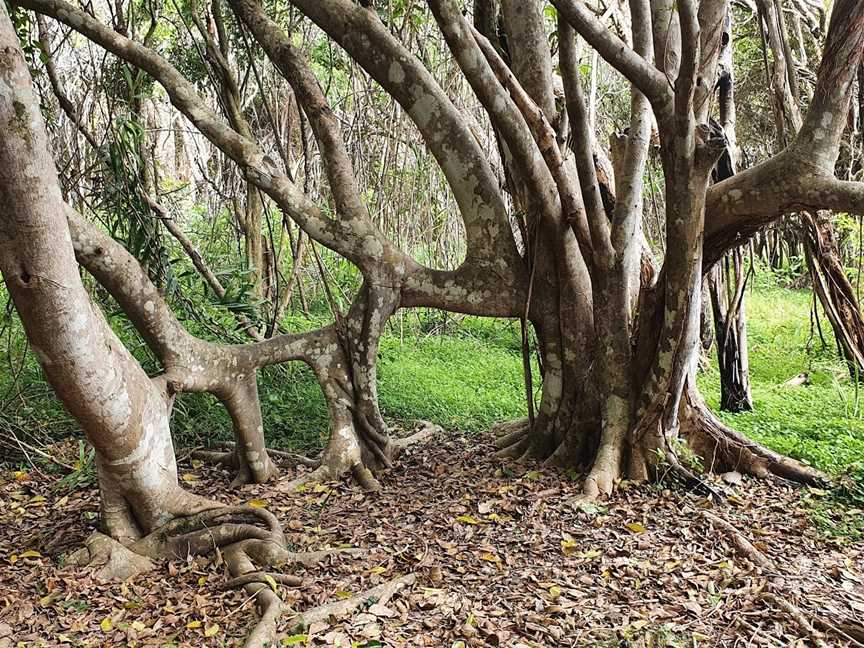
[122,412]
[617,340]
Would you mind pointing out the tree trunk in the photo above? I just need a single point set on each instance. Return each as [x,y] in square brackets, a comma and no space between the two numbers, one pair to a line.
[121,411]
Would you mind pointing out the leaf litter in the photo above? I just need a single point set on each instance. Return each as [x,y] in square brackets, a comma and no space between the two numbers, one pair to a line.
[489,553]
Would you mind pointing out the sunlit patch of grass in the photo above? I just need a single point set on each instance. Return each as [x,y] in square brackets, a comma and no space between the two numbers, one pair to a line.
[820,422]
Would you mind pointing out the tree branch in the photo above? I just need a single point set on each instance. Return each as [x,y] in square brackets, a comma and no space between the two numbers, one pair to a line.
[343,237]
[641,73]
[444,129]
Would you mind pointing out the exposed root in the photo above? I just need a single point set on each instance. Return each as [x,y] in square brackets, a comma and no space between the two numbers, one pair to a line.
[262,577]
[115,562]
[249,538]
[513,438]
[380,594]
[325,473]
[605,472]
[232,459]
[290,456]
[321,474]
[850,631]
[797,616]
[424,430]
[744,547]
[724,449]
[692,480]
[350,453]
[367,480]
[296,458]
[227,457]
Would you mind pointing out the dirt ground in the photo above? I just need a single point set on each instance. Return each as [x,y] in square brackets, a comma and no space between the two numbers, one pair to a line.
[501,553]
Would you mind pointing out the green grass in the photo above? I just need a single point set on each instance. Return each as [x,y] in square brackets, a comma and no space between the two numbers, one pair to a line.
[458,381]
[466,373]
[820,422]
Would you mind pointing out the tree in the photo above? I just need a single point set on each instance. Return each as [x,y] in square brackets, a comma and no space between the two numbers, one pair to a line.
[617,335]
[582,286]
[123,413]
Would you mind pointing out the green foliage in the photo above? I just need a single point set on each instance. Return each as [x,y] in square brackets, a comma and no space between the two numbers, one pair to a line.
[850,485]
[458,381]
[820,422]
[84,472]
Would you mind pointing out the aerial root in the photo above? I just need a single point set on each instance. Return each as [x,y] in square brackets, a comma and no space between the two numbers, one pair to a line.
[380,594]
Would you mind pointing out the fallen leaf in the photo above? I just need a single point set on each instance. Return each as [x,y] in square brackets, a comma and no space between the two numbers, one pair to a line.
[635,527]
[468,519]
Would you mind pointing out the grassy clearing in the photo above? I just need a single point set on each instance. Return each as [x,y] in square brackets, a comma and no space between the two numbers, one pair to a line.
[821,422]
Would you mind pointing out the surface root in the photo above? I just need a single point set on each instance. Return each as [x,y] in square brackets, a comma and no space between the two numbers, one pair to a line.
[249,538]
[380,594]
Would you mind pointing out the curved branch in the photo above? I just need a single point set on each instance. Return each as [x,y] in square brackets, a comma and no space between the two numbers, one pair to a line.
[640,72]
[546,141]
[492,81]
[325,126]
[347,238]
[819,138]
[443,127]
[742,205]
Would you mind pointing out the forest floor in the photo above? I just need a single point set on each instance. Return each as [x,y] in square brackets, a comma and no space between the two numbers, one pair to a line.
[500,552]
